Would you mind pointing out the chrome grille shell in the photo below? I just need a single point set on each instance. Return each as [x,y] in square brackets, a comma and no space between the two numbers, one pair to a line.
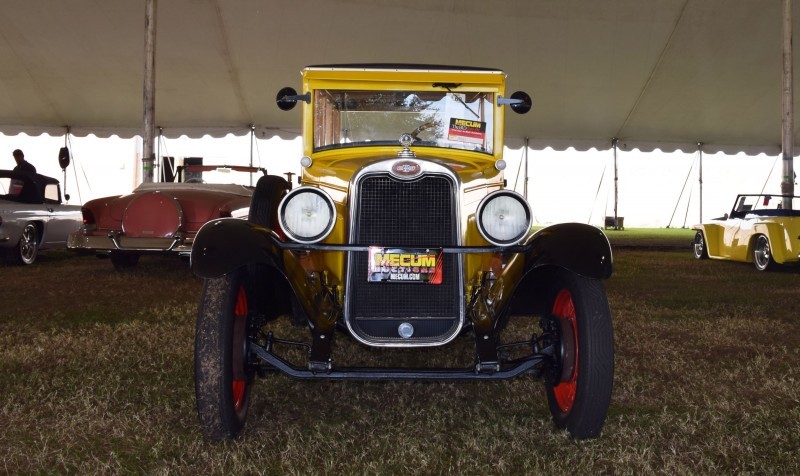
[435,328]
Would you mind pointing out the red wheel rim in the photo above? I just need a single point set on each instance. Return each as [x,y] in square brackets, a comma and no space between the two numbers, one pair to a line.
[240,320]
[564,392]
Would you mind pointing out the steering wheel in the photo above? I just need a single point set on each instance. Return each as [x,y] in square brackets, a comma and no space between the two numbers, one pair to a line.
[423,127]
[195,180]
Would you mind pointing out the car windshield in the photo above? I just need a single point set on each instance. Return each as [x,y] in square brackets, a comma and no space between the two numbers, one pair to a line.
[764,205]
[454,120]
[219,174]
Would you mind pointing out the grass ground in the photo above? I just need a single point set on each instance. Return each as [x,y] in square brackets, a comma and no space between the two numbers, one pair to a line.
[96,373]
[651,237]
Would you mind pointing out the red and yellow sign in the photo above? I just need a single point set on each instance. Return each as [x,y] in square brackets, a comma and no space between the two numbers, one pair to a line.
[465,130]
[405,265]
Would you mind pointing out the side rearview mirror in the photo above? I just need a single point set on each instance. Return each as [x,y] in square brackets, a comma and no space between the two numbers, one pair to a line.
[520,102]
[287,98]
[66,197]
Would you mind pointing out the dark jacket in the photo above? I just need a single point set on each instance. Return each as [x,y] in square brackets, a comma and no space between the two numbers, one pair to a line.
[25,166]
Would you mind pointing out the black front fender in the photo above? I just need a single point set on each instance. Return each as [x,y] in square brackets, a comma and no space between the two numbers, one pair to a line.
[578,248]
[224,245]
[582,249]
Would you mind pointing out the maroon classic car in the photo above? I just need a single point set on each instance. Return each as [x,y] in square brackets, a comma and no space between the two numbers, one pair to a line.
[162,217]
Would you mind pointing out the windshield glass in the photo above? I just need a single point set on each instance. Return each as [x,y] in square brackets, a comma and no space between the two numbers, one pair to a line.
[460,120]
[764,205]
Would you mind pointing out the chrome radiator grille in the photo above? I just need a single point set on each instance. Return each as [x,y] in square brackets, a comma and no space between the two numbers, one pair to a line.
[404,214]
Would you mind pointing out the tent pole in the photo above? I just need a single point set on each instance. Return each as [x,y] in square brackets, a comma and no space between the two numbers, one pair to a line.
[525,190]
[66,144]
[700,149]
[787,122]
[616,183]
[252,141]
[149,96]
[162,177]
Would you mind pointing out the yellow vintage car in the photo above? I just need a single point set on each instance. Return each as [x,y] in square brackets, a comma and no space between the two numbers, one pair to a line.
[401,234]
[764,229]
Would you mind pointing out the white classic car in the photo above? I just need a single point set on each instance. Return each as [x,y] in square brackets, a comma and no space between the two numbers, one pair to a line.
[33,216]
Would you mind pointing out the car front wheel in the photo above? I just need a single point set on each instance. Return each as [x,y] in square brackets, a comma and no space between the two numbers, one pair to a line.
[223,377]
[579,388]
[762,254]
[27,248]
[699,245]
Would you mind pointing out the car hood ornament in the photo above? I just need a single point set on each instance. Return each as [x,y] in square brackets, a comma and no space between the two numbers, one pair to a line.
[406,140]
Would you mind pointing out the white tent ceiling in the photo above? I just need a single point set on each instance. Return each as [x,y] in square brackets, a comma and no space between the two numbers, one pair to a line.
[647,71]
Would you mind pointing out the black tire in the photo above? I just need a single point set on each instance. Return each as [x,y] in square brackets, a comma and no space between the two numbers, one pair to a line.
[699,246]
[762,254]
[580,398]
[272,297]
[269,191]
[123,260]
[27,248]
[223,377]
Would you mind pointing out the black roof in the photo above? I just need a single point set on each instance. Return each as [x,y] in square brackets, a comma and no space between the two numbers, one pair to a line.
[33,186]
[28,176]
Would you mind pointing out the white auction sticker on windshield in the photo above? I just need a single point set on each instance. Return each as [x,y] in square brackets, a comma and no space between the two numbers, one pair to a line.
[405,265]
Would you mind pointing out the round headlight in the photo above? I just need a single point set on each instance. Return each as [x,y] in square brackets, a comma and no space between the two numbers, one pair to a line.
[307,214]
[503,217]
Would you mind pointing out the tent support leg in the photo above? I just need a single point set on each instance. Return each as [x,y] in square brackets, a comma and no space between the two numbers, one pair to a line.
[787,119]
[614,142]
[700,180]
[149,94]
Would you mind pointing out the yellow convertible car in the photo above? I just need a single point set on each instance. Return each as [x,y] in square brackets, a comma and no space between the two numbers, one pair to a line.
[764,229]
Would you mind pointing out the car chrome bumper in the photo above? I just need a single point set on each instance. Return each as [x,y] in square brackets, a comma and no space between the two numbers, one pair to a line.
[117,242]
